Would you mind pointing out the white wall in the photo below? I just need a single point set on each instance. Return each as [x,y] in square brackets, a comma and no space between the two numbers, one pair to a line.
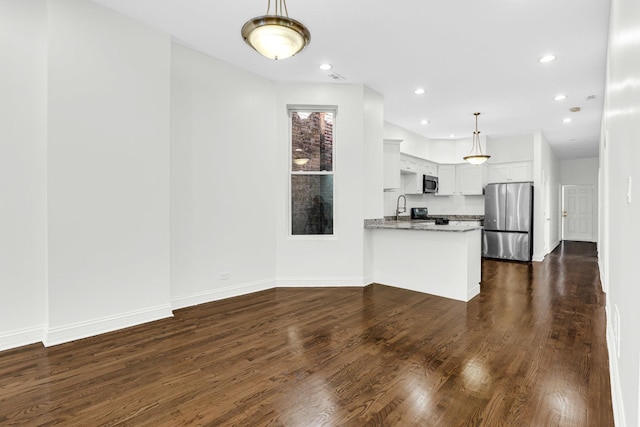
[372,169]
[373,131]
[583,172]
[324,260]
[108,171]
[619,154]
[22,171]
[517,148]
[223,179]
[546,203]
[412,143]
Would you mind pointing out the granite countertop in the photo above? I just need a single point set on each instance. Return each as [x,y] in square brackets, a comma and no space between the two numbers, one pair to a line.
[424,225]
[434,216]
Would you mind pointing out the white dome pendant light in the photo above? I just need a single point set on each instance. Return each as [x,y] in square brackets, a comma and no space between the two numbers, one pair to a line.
[476,156]
[276,36]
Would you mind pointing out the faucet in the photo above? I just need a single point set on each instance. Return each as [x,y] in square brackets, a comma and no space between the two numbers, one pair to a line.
[404,207]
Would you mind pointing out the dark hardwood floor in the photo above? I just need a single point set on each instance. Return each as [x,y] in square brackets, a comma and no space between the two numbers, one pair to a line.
[529,350]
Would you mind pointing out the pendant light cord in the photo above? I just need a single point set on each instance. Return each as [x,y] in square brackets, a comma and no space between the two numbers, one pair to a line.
[280,5]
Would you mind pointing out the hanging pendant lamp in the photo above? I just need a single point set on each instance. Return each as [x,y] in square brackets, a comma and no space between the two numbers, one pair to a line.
[476,156]
[276,36]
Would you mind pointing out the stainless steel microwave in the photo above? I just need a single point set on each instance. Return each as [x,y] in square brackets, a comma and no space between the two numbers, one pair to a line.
[430,184]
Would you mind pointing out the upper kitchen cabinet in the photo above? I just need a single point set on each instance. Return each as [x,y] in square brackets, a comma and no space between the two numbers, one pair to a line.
[412,170]
[411,182]
[391,164]
[471,179]
[461,180]
[446,180]
[510,172]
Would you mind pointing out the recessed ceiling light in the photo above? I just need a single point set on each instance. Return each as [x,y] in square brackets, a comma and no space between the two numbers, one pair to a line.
[560,97]
[419,91]
[547,58]
[567,120]
[424,122]
[453,135]
[326,67]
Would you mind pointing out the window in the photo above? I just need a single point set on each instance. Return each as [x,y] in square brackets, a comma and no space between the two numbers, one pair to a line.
[311,171]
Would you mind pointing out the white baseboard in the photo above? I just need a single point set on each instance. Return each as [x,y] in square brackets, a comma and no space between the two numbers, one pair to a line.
[540,257]
[614,375]
[21,337]
[218,294]
[76,331]
[320,282]
[473,292]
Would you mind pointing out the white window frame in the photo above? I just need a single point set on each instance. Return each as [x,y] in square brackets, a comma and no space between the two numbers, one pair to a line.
[312,109]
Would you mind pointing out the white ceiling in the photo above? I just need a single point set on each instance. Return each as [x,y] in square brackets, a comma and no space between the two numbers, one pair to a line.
[469,55]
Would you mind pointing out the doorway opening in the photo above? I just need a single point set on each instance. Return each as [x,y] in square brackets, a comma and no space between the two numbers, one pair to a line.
[577,213]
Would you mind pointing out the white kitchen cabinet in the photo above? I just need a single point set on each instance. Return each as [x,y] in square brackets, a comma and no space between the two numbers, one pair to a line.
[446,180]
[391,164]
[409,163]
[411,182]
[510,172]
[461,180]
[412,169]
[471,179]
[430,168]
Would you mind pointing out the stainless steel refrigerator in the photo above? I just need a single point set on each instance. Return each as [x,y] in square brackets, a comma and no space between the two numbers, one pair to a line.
[508,221]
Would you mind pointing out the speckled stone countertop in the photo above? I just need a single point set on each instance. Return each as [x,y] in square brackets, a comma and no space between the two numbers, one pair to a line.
[434,216]
[426,225]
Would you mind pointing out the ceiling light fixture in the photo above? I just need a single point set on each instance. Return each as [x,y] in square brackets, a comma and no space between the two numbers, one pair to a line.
[567,120]
[424,122]
[299,157]
[476,156]
[276,36]
[326,67]
[419,91]
[560,97]
[547,58]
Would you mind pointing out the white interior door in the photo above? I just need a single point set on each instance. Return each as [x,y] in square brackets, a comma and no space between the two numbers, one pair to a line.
[577,212]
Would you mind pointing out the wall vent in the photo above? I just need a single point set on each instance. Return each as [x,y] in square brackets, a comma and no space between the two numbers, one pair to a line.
[336,76]
[591,97]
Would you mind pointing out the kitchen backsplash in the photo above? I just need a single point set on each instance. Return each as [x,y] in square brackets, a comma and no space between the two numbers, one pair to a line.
[437,205]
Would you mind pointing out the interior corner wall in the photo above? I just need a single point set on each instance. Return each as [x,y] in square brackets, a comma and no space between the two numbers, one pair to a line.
[620,153]
[545,164]
[23,196]
[373,139]
[373,144]
[108,171]
[223,179]
[412,143]
[324,260]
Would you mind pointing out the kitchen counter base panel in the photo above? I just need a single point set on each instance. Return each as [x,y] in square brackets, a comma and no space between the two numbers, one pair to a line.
[442,264]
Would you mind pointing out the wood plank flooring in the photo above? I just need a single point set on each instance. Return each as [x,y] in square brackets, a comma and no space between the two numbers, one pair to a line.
[529,350]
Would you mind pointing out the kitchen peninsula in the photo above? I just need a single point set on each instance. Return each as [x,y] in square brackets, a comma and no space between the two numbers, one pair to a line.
[442,260]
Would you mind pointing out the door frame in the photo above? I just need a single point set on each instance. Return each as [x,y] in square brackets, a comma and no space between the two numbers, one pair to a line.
[592,237]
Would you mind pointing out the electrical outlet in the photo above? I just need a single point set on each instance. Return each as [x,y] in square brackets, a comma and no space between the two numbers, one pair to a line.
[225,275]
